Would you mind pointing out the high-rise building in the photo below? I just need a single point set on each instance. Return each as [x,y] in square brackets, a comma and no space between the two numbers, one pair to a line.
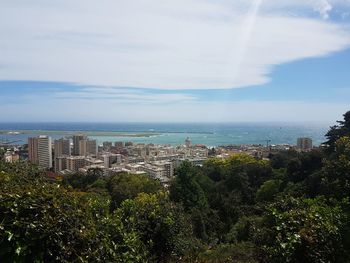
[87,147]
[62,147]
[60,163]
[91,147]
[40,151]
[76,146]
[304,144]
[33,150]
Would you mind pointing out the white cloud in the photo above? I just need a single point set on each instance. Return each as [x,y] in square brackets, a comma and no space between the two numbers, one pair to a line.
[323,7]
[119,95]
[168,44]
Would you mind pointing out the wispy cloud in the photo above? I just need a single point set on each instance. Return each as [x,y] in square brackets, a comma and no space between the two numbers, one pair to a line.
[183,44]
[77,109]
[74,94]
[121,95]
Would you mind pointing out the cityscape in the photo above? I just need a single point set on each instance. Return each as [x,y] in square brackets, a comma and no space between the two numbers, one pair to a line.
[79,154]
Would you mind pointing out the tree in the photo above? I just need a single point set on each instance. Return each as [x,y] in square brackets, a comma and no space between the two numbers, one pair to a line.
[160,224]
[268,190]
[281,159]
[84,181]
[42,221]
[306,230]
[336,132]
[127,186]
[186,189]
[336,171]
[230,253]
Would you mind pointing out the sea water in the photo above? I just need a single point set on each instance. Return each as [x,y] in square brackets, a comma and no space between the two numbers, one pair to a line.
[210,134]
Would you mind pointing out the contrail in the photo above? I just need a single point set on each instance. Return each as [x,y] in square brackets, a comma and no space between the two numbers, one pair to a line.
[244,36]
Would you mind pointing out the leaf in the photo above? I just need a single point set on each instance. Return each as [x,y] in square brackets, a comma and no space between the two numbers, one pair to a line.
[10,235]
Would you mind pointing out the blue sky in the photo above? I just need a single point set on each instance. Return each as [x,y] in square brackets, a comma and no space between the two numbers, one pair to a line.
[175,61]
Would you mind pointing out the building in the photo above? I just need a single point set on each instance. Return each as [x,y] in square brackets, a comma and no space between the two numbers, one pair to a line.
[188,142]
[87,147]
[153,171]
[167,167]
[62,147]
[193,161]
[74,163]
[304,144]
[40,151]
[45,151]
[11,157]
[111,158]
[119,144]
[107,146]
[90,161]
[76,146]
[91,147]
[33,150]
[60,164]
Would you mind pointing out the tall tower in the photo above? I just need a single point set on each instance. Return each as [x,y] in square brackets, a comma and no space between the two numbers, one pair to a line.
[87,147]
[62,147]
[76,145]
[40,151]
[33,150]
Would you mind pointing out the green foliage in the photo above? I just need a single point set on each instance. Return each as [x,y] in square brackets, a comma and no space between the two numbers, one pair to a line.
[213,168]
[2,152]
[234,194]
[306,230]
[186,189]
[336,132]
[280,160]
[268,190]
[127,186]
[299,168]
[83,181]
[235,253]
[41,221]
[161,225]
[336,171]
[245,229]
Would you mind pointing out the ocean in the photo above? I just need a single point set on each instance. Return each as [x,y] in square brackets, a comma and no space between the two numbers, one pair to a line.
[214,134]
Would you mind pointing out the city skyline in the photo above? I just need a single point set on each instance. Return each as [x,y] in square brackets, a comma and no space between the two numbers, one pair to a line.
[175,61]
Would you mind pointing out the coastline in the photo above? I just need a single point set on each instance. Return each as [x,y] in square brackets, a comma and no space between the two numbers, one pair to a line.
[71,133]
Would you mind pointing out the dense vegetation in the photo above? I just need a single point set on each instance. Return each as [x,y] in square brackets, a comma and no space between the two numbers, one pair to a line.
[291,208]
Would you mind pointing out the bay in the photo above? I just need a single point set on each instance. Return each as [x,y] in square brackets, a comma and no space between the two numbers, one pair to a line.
[210,134]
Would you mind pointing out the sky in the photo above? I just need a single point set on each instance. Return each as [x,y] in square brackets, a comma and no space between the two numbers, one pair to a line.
[174,60]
